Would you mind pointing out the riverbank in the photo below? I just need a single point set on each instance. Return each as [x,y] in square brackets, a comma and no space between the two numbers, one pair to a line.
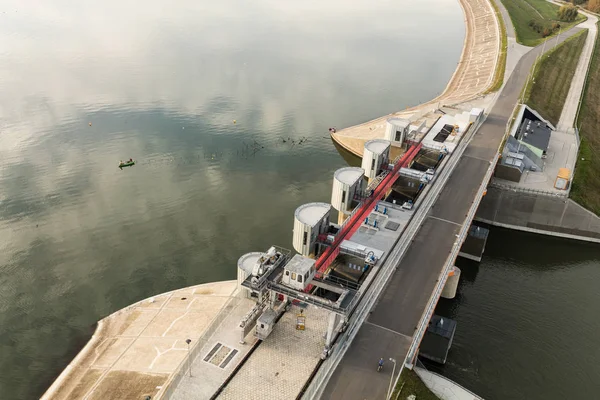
[473,76]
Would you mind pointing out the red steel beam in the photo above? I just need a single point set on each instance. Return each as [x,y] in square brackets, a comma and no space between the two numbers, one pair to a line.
[365,210]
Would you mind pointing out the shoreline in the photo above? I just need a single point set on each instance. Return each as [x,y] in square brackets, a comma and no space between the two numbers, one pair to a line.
[464,85]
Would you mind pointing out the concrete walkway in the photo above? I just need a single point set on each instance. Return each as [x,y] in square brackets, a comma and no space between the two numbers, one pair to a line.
[514,50]
[443,387]
[569,111]
[137,351]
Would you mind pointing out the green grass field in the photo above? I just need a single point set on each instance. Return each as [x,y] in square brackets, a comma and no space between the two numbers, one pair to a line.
[501,67]
[586,183]
[552,78]
[410,383]
[543,13]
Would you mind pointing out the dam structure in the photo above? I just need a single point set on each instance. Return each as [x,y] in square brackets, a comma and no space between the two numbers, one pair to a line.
[287,313]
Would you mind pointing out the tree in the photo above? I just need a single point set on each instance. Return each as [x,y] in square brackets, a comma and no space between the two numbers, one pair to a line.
[594,5]
[567,13]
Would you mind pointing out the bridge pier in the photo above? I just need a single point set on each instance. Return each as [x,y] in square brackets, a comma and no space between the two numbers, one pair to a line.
[449,291]
[474,244]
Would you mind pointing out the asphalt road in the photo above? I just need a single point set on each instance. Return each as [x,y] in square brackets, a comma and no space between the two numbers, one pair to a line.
[389,329]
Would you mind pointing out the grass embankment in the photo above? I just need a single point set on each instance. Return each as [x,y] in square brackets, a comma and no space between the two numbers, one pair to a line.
[535,20]
[552,77]
[501,67]
[410,383]
[586,184]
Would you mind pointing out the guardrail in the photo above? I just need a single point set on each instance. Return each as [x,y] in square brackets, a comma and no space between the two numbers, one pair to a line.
[447,266]
[528,190]
[389,264]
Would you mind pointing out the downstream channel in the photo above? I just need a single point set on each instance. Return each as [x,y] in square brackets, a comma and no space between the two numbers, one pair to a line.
[527,319]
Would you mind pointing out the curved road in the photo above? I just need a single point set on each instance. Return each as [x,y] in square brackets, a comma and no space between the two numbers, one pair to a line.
[389,329]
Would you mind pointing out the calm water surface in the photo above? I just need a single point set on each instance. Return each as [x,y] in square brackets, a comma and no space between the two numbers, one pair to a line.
[528,320]
[86,84]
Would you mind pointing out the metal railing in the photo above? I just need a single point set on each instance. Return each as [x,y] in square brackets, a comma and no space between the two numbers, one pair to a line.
[424,322]
[389,264]
[444,175]
[524,190]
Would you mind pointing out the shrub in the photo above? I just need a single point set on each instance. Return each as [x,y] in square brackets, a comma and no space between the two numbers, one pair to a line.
[567,13]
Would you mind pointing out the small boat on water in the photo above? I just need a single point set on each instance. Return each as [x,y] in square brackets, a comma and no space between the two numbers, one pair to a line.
[128,163]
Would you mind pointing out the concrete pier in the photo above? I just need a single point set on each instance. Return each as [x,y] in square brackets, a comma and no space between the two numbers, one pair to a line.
[474,245]
[451,285]
[438,339]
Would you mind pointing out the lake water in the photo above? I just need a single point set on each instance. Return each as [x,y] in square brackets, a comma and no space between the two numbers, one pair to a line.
[86,84]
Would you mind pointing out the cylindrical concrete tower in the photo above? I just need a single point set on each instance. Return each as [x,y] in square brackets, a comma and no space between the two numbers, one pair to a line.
[451,285]
[245,265]
[346,182]
[310,220]
[396,129]
[376,154]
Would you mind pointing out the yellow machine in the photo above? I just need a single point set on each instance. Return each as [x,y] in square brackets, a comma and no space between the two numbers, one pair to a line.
[300,321]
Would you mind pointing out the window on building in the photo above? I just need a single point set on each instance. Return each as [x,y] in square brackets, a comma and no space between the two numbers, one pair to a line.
[343,196]
[398,135]
[372,164]
[306,276]
[262,326]
[305,238]
[287,273]
[293,276]
[300,278]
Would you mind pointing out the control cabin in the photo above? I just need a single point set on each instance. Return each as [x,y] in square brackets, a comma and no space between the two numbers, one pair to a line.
[298,273]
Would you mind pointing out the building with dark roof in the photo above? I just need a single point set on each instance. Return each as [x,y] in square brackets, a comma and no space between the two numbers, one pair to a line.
[535,135]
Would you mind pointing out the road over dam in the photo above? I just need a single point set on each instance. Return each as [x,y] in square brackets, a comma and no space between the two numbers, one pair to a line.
[390,329]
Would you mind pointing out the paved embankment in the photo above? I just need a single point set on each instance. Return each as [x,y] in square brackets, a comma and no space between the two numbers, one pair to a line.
[474,74]
[548,215]
[137,351]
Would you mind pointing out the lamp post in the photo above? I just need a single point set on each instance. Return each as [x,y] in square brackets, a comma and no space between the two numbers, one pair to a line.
[389,393]
[188,341]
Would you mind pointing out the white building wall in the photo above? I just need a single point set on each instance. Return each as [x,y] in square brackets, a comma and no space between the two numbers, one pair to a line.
[298,237]
[394,125]
[372,160]
[242,275]
[339,194]
[306,247]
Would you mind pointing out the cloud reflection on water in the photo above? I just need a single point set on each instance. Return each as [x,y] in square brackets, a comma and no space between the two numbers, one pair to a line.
[162,83]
